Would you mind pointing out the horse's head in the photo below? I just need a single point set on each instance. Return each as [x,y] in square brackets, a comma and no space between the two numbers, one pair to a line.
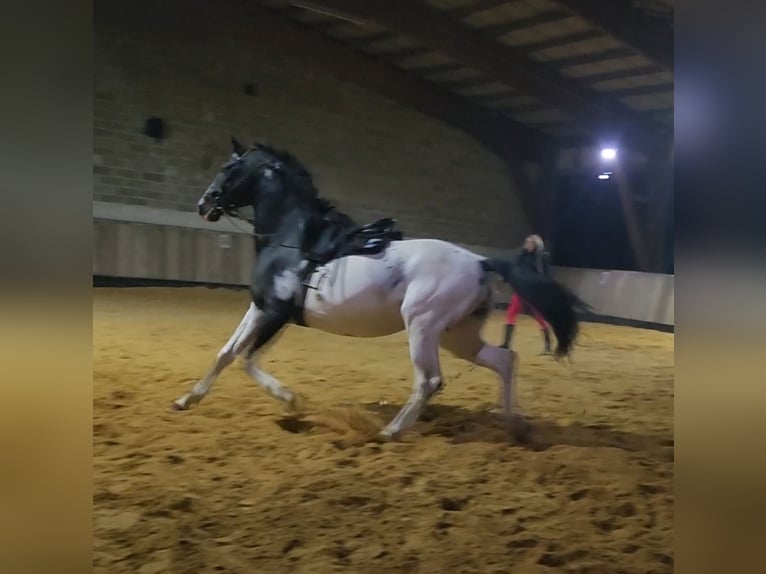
[239,182]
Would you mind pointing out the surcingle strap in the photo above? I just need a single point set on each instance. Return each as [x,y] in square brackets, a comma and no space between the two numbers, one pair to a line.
[299,302]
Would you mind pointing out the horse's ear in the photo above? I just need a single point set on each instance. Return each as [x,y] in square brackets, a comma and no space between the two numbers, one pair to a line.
[237,147]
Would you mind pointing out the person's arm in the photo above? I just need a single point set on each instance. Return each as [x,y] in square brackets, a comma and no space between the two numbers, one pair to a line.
[546,264]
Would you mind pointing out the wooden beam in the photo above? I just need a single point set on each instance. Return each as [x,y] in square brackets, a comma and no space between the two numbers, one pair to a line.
[503,28]
[641,90]
[480,6]
[557,41]
[592,58]
[526,108]
[384,36]
[630,25]
[636,235]
[598,113]
[464,83]
[377,76]
[622,74]
[661,200]
[407,53]
[440,68]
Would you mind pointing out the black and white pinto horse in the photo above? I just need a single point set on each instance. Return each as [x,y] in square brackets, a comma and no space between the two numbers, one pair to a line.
[315,267]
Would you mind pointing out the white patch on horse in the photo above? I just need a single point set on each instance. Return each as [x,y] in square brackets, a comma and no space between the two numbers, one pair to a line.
[286,284]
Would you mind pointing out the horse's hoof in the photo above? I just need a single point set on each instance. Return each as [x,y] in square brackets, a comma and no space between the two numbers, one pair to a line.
[296,405]
[387,436]
[520,429]
[175,407]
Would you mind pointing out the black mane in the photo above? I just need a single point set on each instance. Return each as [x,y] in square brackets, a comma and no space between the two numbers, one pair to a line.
[300,180]
[323,229]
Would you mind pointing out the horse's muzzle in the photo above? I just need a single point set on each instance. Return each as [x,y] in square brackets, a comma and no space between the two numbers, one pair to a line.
[208,210]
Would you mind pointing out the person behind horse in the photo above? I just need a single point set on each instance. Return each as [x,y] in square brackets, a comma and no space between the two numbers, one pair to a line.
[533,257]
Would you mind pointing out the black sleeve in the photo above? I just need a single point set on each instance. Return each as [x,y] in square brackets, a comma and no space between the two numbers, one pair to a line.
[546,264]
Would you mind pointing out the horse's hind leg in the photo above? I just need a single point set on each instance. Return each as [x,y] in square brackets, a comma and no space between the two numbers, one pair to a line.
[423,332]
[464,341]
[237,343]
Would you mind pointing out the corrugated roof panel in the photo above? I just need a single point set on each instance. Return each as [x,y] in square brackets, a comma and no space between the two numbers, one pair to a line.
[310,17]
[585,70]
[585,47]
[423,60]
[455,75]
[635,81]
[449,4]
[541,117]
[510,101]
[501,14]
[484,89]
[348,30]
[543,4]
[544,31]
[390,46]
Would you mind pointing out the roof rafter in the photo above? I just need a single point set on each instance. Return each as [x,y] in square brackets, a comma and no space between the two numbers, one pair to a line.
[503,28]
[557,41]
[598,114]
[480,6]
[632,26]
[510,140]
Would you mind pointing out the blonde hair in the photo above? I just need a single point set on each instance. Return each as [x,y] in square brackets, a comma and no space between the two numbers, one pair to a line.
[539,248]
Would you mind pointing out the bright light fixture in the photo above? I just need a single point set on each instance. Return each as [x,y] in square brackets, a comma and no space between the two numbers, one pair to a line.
[608,153]
[603,176]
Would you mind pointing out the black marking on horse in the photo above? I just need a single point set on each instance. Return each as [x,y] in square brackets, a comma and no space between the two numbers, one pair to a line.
[293,226]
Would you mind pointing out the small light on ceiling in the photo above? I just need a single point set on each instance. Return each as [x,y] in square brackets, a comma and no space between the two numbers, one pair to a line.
[603,176]
[608,153]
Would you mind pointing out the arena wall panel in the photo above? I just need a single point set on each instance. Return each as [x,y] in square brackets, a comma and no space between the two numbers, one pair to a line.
[131,242]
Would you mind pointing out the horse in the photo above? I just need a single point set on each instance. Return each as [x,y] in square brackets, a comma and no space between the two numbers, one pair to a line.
[316,267]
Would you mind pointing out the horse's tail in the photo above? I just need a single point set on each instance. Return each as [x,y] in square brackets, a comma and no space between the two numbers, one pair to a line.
[557,304]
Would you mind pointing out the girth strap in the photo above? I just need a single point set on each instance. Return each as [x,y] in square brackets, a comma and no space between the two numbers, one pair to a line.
[299,302]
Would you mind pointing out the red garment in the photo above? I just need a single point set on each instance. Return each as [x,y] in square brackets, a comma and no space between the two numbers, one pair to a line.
[517,306]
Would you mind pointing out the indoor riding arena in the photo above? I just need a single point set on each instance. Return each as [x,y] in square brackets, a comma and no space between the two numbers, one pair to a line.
[476,122]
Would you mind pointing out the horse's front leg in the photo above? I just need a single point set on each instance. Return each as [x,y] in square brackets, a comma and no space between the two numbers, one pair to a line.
[271,322]
[236,344]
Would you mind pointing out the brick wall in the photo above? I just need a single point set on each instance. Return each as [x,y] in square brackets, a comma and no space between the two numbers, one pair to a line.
[372,156]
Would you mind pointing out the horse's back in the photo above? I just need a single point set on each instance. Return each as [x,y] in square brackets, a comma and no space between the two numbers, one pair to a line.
[362,295]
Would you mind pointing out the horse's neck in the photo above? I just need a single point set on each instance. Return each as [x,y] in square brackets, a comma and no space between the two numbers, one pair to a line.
[304,221]
[338,218]
[286,230]
[270,221]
